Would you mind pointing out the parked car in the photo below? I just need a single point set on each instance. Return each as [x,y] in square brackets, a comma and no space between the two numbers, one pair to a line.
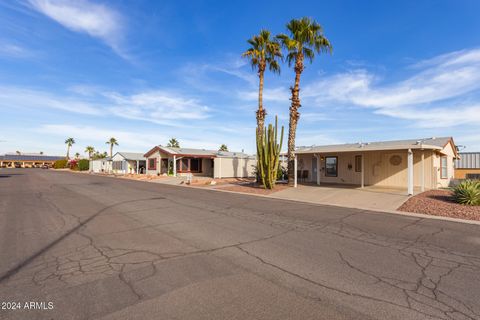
[45,166]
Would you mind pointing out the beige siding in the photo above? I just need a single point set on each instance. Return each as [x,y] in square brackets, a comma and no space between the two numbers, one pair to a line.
[156,156]
[450,153]
[378,169]
[234,167]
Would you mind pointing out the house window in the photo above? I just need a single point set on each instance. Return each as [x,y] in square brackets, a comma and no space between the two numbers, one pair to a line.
[184,165]
[443,168]
[358,163]
[152,164]
[331,166]
[189,165]
[117,165]
[195,165]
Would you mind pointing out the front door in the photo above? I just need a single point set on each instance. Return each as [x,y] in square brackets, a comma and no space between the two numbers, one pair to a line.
[314,169]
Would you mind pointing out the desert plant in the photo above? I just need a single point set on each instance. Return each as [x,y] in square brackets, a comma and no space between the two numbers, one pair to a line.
[467,192]
[83,165]
[305,40]
[281,173]
[60,164]
[268,153]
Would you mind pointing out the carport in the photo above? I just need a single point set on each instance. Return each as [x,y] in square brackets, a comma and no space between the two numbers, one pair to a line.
[368,197]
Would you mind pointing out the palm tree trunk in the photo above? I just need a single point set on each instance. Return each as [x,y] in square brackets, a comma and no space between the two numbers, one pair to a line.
[68,152]
[261,113]
[294,116]
[111,151]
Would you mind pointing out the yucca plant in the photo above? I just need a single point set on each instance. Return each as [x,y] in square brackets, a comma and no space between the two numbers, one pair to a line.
[468,192]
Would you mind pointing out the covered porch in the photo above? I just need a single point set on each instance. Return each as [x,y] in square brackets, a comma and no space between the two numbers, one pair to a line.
[403,171]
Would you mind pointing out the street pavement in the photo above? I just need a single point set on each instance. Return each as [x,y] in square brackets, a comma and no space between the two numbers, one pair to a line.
[81,246]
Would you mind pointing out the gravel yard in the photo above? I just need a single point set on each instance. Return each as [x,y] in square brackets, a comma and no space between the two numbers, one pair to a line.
[440,203]
[253,188]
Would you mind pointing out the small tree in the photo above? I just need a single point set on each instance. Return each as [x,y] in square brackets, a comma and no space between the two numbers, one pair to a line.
[18,152]
[173,143]
[268,153]
[223,147]
[77,155]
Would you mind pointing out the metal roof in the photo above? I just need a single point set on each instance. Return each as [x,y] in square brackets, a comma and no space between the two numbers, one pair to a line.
[198,152]
[26,157]
[468,160]
[131,155]
[425,143]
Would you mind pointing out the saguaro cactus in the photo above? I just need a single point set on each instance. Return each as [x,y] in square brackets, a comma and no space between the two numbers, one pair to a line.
[268,154]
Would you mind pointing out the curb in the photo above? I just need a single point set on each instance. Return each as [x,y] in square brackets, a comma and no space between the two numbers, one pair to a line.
[372,210]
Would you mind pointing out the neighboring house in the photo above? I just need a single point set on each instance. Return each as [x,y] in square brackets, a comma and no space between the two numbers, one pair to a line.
[199,162]
[129,162]
[27,160]
[412,164]
[100,165]
[468,166]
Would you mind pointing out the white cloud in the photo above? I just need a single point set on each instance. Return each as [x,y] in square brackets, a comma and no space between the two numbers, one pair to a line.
[98,136]
[96,20]
[444,81]
[14,97]
[157,106]
[13,50]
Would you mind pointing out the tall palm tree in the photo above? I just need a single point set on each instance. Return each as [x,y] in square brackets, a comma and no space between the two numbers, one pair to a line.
[223,147]
[112,142]
[90,150]
[305,40]
[77,155]
[69,142]
[173,143]
[263,52]
[18,152]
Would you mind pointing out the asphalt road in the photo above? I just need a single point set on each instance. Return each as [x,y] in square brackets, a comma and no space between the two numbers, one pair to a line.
[104,248]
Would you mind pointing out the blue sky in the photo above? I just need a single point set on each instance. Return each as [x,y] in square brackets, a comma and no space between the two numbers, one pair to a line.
[145,71]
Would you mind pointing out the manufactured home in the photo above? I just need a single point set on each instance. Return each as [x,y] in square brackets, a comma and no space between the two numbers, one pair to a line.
[417,164]
[103,165]
[199,162]
[129,162]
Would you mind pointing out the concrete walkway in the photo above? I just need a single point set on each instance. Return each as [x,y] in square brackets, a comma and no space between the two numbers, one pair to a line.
[368,198]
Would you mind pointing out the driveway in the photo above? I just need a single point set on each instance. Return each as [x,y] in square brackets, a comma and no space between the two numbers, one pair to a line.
[369,198]
[105,248]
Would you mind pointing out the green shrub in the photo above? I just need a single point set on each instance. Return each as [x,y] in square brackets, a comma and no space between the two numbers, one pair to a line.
[468,192]
[83,165]
[60,164]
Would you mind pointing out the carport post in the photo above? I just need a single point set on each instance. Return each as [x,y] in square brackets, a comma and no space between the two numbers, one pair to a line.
[362,174]
[138,164]
[318,169]
[174,166]
[422,183]
[410,172]
[295,172]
